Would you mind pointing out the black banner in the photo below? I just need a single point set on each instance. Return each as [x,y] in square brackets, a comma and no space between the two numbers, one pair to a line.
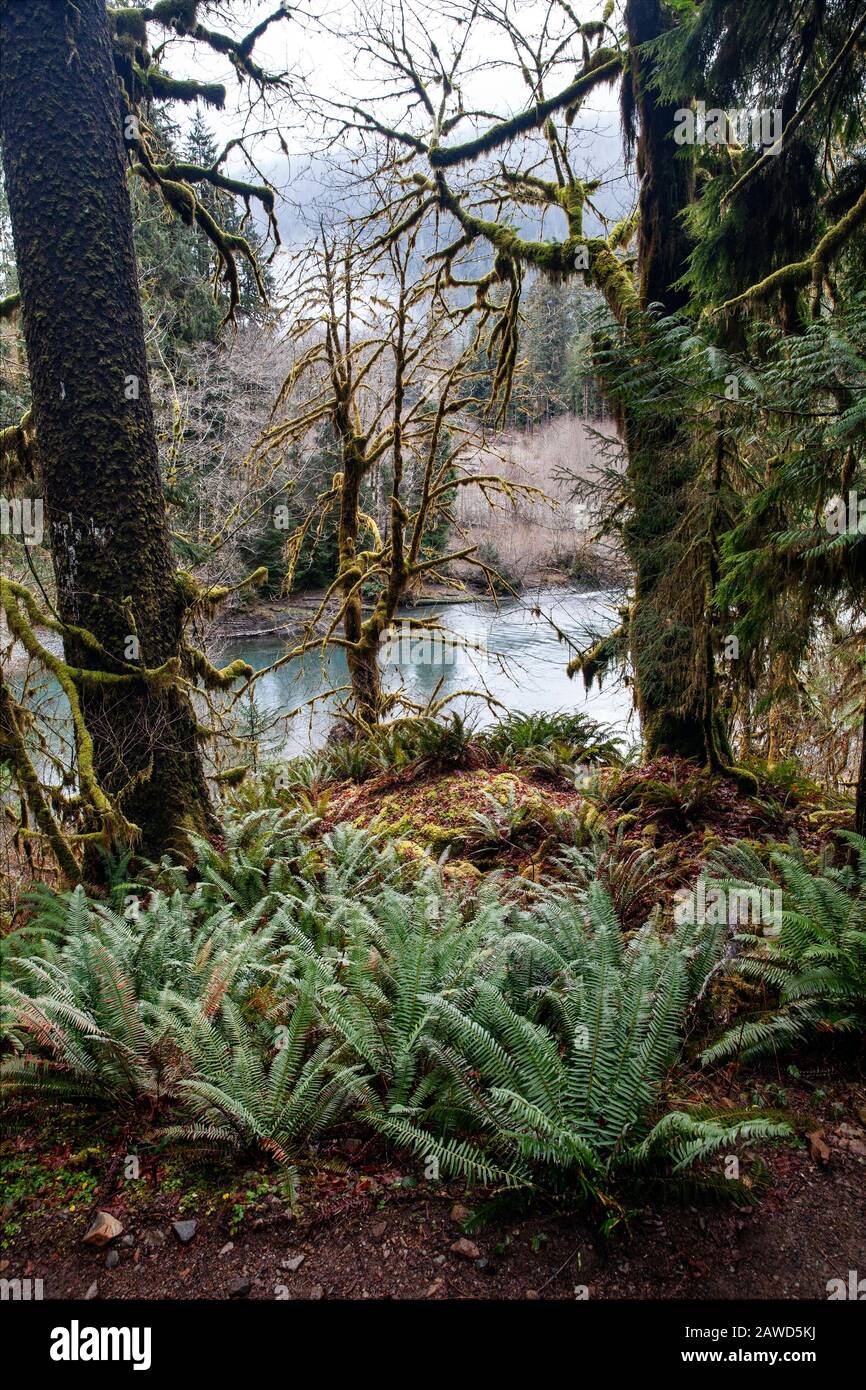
[68,1338]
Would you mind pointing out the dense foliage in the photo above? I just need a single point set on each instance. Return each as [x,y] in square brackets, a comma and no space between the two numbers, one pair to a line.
[517,1040]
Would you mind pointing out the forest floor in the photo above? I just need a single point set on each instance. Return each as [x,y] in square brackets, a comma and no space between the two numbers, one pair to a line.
[377,1229]
[666,811]
[368,1224]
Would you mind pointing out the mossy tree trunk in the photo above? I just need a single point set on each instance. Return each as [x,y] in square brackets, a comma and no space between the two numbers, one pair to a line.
[362,652]
[107,529]
[669,650]
[860,812]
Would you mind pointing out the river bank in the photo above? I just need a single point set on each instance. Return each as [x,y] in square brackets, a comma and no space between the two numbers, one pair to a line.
[508,653]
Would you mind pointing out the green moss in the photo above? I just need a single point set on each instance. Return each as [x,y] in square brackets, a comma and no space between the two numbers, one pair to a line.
[604,66]
[164,88]
[232,776]
[129,23]
[461,872]
[441,814]
[9,305]
[29,1185]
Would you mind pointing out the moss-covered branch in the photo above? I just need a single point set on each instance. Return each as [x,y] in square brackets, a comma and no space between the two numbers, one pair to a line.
[207,600]
[181,16]
[69,678]
[603,67]
[214,677]
[812,269]
[158,86]
[123,673]
[181,199]
[17,457]
[594,663]
[14,750]
[799,116]
[198,173]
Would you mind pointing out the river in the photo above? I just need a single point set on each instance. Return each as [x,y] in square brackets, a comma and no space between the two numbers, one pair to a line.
[511,650]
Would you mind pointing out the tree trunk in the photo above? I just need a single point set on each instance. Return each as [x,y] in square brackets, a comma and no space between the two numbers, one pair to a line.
[107,528]
[361,658]
[860,811]
[668,644]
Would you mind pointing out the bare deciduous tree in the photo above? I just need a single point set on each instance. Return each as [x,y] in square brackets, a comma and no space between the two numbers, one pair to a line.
[384,358]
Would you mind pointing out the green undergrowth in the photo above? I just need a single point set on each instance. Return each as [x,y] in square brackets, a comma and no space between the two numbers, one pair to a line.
[302,979]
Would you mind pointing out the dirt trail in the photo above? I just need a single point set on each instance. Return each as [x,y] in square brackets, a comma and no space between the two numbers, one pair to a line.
[376,1231]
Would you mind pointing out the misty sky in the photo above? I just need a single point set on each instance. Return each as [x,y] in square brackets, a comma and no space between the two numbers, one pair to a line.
[326,64]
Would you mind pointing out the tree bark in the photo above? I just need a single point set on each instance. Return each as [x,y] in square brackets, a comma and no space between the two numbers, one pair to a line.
[860,810]
[361,658]
[107,528]
[668,647]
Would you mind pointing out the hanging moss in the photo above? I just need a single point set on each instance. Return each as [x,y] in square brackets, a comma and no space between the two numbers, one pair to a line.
[180,14]
[232,776]
[212,677]
[14,749]
[129,23]
[603,67]
[593,664]
[17,454]
[158,86]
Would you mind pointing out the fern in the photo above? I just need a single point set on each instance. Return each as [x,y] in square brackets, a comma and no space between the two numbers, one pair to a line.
[519,1038]
[562,1079]
[816,965]
[238,1097]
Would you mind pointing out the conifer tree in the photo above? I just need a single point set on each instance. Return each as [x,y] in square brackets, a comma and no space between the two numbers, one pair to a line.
[76,78]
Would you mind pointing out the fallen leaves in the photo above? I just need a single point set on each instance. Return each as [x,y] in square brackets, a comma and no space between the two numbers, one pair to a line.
[819,1149]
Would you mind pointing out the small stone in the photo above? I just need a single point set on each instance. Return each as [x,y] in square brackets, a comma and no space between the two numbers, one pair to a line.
[239,1288]
[438,1259]
[112,1259]
[293,1262]
[852,1139]
[317,1292]
[466,1249]
[103,1228]
[229,1245]
[127,1242]
[484,1266]
[93,1291]
[184,1230]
